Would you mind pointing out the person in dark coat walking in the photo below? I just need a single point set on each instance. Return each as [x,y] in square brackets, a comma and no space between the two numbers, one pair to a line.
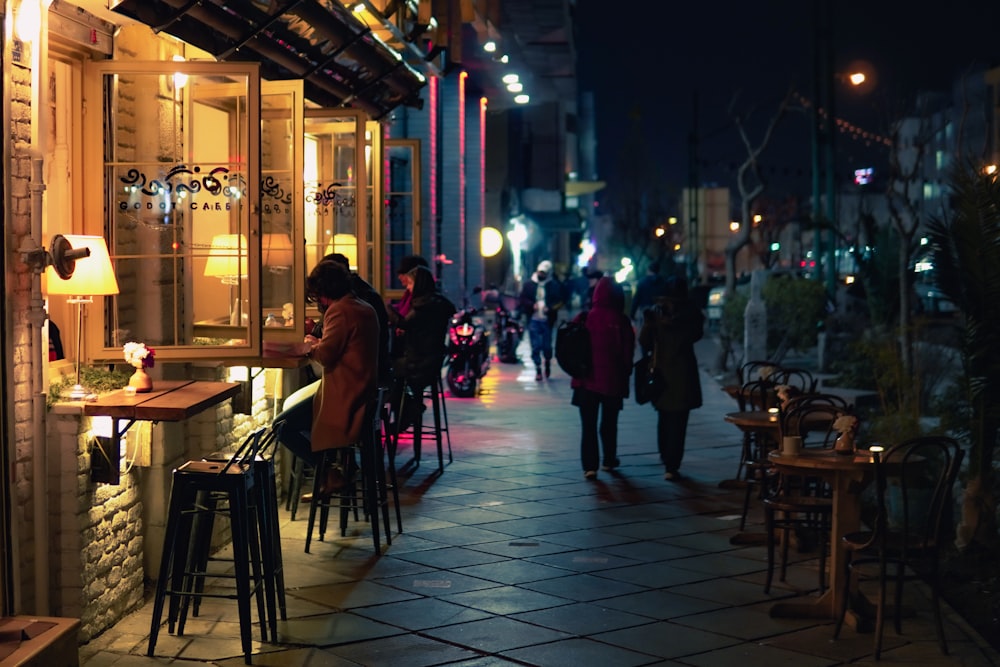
[599,395]
[670,330]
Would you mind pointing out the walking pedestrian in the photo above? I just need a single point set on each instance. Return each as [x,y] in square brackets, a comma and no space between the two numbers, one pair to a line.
[599,395]
[670,330]
[540,300]
[647,289]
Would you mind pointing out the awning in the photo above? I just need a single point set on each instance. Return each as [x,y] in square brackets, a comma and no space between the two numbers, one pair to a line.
[578,188]
[342,63]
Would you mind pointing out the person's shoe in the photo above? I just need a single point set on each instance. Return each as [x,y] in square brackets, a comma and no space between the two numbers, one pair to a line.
[548,368]
[611,465]
[333,480]
[538,375]
[671,475]
[590,474]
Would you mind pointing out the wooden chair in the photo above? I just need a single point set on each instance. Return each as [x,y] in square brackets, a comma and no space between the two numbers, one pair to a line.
[799,378]
[914,482]
[756,395]
[795,503]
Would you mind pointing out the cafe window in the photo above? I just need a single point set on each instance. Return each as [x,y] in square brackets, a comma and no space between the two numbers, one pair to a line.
[402,207]
[174,174]
[342,165]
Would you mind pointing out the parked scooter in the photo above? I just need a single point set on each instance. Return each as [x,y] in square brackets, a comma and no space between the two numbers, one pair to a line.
[468,352]
[509,333]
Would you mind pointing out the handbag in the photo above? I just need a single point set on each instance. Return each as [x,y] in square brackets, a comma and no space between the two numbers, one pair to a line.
[649,383]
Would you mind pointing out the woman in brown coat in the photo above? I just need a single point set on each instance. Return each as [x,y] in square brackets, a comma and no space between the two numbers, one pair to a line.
[348,353]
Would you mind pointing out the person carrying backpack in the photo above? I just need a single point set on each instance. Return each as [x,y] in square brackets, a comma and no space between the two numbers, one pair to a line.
[599,396]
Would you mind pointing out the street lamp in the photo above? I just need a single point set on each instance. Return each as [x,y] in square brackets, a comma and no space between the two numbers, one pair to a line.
[823,153]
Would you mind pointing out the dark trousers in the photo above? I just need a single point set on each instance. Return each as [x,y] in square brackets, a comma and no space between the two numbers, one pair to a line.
[593,408]
[671,429]
[540,334]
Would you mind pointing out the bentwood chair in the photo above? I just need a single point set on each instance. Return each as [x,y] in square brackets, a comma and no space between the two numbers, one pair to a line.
[914,482]
[801,504]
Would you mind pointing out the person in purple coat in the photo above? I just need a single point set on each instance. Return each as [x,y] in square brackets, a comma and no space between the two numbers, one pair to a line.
[599,395]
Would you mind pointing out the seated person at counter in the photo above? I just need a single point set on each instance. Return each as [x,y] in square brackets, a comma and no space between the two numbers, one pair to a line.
[364,291]
[348,354]
[425,328]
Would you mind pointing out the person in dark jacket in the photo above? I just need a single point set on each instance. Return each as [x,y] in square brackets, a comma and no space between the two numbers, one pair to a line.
[599,395]
[670,330]
[540,301]
[649,287]
[425,330]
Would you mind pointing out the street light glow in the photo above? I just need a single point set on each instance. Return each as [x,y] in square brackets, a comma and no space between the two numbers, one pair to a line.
[856,78]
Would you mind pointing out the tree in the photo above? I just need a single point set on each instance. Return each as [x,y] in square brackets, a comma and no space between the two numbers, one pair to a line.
[642,204]
[749,180]
[966,251]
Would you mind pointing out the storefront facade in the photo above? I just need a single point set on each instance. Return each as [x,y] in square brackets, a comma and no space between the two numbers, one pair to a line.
[216,185]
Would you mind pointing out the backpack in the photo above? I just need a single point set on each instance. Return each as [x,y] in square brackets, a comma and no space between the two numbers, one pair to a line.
[573,348]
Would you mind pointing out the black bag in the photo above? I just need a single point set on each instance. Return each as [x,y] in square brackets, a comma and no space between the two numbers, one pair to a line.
[648,382]
[573,349]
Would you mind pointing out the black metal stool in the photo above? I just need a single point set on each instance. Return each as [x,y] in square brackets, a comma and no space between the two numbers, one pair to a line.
[265,500]
[196,489]
[367,478]
[434,390]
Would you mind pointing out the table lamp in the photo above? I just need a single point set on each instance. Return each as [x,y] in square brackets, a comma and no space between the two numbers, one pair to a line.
[227,261]
[277,252]
[92,276]
[346,245]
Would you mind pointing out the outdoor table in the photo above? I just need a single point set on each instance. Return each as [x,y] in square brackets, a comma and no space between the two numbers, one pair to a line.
[847,476]
[170,400]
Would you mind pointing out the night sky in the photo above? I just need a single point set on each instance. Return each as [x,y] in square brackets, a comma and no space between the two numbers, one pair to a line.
[648,65]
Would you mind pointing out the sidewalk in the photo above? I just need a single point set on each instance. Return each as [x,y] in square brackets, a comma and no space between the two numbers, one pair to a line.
[511,557]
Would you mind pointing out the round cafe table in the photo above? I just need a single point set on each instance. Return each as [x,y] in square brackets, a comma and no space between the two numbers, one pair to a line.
[847,477]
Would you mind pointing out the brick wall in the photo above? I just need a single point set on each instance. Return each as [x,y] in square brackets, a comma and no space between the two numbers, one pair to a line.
[104,540]
[18,227]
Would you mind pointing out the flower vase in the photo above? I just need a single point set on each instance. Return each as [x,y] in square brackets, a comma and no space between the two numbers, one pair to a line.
[845,444]
[141,381]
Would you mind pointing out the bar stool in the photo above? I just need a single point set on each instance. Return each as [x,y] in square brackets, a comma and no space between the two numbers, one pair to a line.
[292,426]
[434,391]
[364,488]
[196,489]
[265,499]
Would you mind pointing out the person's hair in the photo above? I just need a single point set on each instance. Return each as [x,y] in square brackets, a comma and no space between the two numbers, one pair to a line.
[410,262]
[339,258]
[423,281]
[328,279]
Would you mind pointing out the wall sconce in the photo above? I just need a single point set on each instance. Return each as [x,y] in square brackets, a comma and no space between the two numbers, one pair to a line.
[91,276]
[28,19]
[490,241]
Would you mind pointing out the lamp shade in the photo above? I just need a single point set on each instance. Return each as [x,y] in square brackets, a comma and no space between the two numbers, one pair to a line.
[346,245]
[227,258]
[92,276]
[277,250]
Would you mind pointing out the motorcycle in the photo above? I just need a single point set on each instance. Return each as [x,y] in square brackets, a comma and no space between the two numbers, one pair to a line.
[509,333]
[468,352]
